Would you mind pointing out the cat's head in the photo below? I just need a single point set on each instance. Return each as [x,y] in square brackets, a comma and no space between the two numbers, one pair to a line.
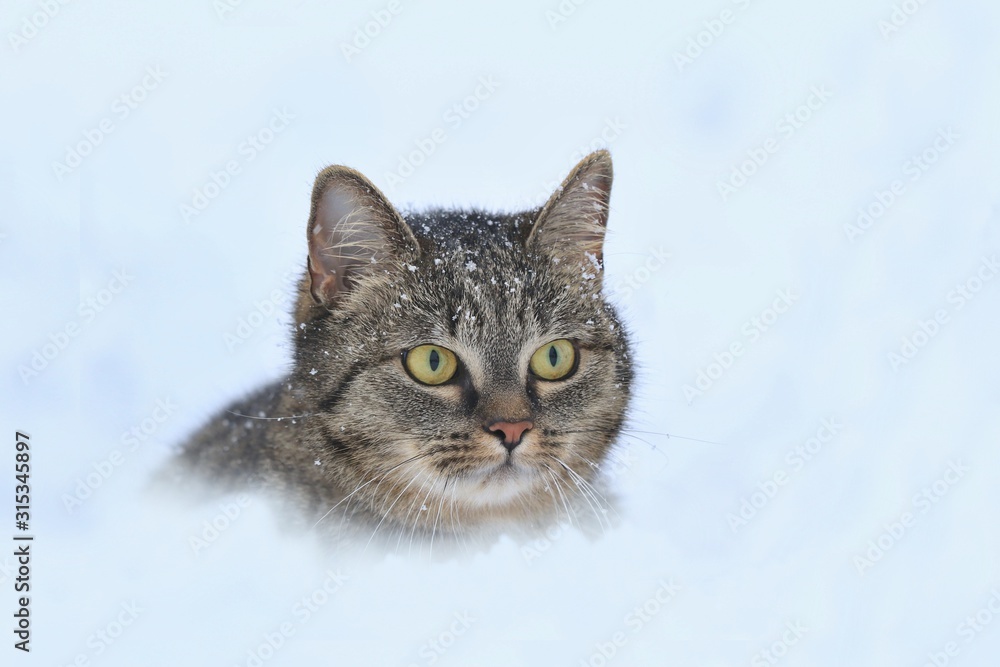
[461,366]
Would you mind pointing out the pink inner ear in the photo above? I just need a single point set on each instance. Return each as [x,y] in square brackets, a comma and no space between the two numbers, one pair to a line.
[329,253]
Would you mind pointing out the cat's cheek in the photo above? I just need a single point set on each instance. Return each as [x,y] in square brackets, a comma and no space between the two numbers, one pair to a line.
[547,392]
[449,392]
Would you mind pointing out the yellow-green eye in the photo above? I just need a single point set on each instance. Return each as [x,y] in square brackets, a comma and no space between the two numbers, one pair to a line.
[555,360]
[431,364]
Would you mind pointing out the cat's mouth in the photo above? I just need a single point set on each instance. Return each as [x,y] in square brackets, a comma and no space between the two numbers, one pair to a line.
[506,469]
[499,482]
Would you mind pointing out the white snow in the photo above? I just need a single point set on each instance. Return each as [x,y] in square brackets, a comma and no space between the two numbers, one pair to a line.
[794,413]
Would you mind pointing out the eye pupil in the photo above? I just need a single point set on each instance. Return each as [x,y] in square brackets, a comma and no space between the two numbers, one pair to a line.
[554,361]
[434,359]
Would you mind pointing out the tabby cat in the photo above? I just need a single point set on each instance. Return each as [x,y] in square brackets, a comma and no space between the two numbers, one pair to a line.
[456,372]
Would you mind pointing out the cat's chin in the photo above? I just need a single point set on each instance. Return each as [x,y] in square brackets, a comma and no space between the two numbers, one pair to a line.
[496,486]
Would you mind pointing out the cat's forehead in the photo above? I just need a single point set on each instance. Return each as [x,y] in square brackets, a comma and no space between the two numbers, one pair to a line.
[447,231]
[481,287]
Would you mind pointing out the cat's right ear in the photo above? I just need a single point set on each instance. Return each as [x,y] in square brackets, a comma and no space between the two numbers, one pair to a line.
[572,223]
[352,230]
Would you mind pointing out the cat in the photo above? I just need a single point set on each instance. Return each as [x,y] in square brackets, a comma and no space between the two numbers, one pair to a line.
[455,372]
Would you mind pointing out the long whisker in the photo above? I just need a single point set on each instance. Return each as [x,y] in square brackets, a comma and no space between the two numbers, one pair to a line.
[593,490]
[581,490]
[457,531]
[387,512]
[597,466]
[417,516]
[361,486]
[624,433]
[438,516]
[238,414]
[642,440]
[555,478]
[590,492]
[674,435]
[374,493]
[632,431]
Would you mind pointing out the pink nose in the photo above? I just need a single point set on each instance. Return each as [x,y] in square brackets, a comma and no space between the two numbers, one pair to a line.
[512,432]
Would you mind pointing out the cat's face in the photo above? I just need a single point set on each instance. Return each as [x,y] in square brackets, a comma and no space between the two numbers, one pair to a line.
[465,366]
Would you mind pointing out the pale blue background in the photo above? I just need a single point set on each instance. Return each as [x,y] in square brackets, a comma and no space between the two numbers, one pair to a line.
[681,132]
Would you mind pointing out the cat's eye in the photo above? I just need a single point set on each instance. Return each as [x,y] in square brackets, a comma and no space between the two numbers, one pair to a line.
[430,364]
[555,360]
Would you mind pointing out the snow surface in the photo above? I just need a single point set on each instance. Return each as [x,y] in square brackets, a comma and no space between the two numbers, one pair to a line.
[690,268]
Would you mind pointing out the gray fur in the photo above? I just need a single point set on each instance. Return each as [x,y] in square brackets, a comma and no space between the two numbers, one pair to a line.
[413,459]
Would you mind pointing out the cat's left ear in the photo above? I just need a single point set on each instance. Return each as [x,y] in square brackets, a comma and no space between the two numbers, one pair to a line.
[572,223]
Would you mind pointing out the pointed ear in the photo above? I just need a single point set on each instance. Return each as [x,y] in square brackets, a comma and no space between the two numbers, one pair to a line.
[352,230]
[572,223]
